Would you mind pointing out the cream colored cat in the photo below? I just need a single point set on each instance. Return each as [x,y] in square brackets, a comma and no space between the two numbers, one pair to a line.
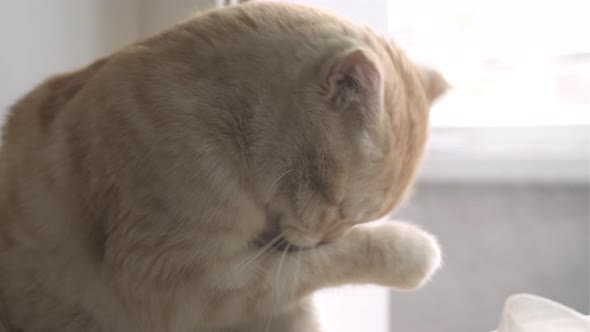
[209,178]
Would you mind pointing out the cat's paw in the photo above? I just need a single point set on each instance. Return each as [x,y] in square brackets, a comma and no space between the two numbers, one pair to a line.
[403,255]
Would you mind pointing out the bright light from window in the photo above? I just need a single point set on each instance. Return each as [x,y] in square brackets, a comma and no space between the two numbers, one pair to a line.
[511,62]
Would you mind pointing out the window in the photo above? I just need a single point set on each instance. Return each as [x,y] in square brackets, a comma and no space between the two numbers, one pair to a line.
[512,63]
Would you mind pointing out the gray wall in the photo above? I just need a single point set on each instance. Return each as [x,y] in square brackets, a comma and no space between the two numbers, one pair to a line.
[497,241]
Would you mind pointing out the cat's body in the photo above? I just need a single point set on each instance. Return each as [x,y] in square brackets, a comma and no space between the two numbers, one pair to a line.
[136,193]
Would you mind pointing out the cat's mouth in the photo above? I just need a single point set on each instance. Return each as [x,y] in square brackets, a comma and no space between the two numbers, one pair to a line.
[276,241]
[284,238]
[273,237]
[285,246]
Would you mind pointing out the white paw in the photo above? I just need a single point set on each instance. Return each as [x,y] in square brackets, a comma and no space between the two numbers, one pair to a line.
[405,255]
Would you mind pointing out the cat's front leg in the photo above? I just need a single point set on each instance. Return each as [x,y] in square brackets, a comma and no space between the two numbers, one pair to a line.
[393,254]
[401,255]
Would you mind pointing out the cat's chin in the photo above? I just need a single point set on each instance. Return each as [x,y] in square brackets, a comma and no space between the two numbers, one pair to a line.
[283,244]
[279,244]
[300,239]
[286,238]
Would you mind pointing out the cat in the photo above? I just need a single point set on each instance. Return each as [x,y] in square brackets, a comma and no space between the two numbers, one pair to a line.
[213,176]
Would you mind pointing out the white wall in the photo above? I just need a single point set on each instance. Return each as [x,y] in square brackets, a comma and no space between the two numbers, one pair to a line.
[354,309]
[156,15]
[41,38]
[373,13]
[517,155]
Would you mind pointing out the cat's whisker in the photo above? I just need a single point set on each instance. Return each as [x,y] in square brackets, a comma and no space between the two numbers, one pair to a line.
[268,324]
[257,253]
[249,260]
[268,252]
[278,279]
[279,178]
[297,270]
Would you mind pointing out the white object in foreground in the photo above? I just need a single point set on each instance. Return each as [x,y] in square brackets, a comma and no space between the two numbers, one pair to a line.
[529,313]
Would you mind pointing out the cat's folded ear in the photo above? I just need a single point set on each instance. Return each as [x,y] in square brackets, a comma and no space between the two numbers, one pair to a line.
[352,79]
[435,85]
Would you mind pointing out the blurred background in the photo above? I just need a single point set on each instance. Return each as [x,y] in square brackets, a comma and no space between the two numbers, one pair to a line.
[505,182]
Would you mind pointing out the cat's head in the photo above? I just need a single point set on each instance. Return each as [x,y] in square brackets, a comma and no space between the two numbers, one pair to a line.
[350,142]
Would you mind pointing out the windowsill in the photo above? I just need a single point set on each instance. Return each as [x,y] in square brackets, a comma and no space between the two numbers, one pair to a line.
[549,154]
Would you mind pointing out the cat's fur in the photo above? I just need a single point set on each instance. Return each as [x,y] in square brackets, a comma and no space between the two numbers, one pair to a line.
[159,188]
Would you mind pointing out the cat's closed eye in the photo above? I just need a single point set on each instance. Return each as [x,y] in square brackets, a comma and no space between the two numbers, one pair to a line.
[350,83]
